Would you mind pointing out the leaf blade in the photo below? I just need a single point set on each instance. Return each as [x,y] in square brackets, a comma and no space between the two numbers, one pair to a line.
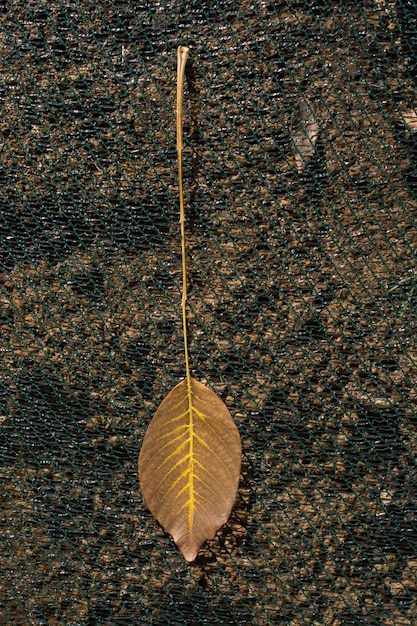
[190,482]
[306,137]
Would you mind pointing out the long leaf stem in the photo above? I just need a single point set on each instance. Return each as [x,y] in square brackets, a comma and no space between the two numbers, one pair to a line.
[183,53]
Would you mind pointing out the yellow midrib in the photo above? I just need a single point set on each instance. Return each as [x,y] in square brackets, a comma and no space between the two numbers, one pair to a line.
[191,462]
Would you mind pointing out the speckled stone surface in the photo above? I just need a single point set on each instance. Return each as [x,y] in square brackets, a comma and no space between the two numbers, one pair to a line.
[302,307]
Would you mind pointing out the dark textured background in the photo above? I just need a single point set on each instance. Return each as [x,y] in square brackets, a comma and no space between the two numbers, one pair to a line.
[302,308]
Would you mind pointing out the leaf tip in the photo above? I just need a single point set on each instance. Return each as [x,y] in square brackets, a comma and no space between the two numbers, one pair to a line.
[189,554]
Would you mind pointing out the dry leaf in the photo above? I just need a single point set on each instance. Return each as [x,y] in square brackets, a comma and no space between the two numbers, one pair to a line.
[306,137]
[410,119]
[189,465]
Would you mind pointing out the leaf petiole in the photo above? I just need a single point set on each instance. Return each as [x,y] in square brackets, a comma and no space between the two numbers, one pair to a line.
[182,57]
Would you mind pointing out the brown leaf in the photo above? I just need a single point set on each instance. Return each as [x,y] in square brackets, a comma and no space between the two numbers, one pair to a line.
[306,137]
[189,465]
[410,118]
